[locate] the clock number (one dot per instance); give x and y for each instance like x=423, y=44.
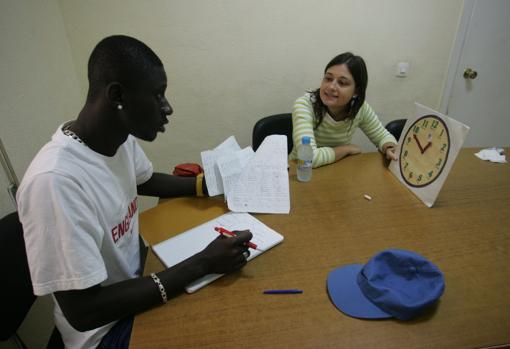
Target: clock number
x=416, y=129
x=439, y=163
x=405, y=166
x=434, y=124
x=408, y=140
x=419, y=178
x=443, y=147
x=425, y=123
x=410, y=174
x=405, y=153
x=430, y=173
x=442, y=131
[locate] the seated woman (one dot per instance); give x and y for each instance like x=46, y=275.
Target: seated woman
x=331, y=114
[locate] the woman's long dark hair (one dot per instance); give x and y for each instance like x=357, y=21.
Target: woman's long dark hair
x=358, y=70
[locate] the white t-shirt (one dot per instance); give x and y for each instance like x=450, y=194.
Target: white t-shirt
x=80, y=220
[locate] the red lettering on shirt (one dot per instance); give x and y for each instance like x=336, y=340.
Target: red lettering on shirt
x=122, y=228
x=115, y=234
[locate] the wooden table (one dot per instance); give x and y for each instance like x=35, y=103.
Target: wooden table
x=466, y=234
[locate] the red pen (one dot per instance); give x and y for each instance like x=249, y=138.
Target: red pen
x=229, y=233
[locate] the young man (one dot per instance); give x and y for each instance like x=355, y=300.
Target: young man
x=78, y=203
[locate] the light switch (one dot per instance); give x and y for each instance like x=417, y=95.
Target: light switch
x=402, y=69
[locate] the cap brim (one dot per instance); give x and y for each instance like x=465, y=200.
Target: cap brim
x=347, y=296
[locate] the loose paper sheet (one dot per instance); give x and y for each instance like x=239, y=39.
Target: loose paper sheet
x=252, y=182
x=211, y=169
x=263, y=186
x=492, y=155
x=231, y=167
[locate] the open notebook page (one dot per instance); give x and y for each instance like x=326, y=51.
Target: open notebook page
x=185, y=245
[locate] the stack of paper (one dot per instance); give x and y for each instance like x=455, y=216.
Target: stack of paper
x=251, y=182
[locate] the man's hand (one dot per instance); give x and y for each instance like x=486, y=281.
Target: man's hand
x=226, y=254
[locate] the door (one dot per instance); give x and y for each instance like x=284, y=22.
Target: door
x=479, y=93
x=9, y=182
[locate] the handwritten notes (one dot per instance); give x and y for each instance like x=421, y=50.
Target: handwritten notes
x=252, y=182
x=209, y=163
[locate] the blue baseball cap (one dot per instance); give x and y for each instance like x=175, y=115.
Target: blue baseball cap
x=394, y=283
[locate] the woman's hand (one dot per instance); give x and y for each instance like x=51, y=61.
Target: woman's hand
x=389, y=151
x=342, y=151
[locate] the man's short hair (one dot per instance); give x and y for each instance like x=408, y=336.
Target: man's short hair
x=119, y=58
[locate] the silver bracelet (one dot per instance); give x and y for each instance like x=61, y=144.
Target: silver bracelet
x=162, y=290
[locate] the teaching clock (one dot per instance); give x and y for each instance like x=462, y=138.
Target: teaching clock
x=427, y=149
x=424, y=151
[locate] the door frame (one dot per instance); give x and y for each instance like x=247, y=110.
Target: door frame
x=458, y=46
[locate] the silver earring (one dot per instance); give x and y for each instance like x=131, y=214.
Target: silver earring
x=119, y=107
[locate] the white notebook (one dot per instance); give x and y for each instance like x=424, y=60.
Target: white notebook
x=182, y=246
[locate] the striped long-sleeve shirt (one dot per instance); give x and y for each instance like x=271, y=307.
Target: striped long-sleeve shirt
x=331, y=133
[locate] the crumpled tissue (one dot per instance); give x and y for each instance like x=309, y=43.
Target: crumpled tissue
x=492, y=154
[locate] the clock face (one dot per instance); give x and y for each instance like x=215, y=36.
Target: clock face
x=424, y=151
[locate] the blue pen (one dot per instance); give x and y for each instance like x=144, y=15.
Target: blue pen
x=292, y=291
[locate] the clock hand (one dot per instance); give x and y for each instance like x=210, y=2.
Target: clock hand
x=418, y=142
x=426, y=147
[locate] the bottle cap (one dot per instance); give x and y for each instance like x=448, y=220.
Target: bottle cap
x=305, y=140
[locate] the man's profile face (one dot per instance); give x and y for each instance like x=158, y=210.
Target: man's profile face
x=146, y=107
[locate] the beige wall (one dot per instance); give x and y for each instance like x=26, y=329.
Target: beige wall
x=38, y=90
x=229, y=62
x=38, y=87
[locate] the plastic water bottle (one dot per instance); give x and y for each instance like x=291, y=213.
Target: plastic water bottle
x=305, y=157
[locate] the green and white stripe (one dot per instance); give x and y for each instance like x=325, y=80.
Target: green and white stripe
x=333, y=133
